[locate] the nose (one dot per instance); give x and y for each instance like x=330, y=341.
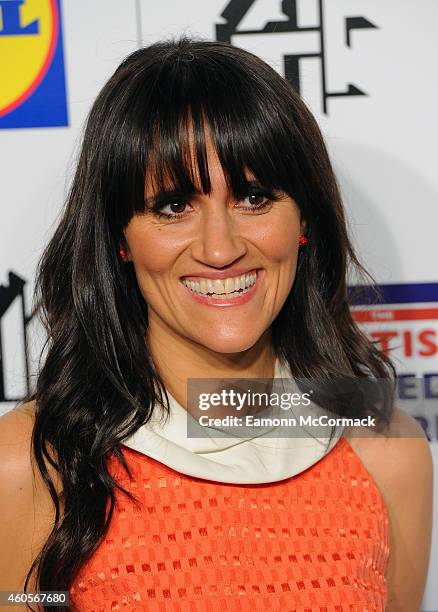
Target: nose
x=218, y=241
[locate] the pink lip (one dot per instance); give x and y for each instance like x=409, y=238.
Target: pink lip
x=236, y=301
x=219, y=274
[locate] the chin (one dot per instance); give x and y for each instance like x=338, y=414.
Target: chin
x=231, y=344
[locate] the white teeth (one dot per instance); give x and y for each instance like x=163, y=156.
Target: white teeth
x=228, y=287
x=227, y=296
x=218, y=286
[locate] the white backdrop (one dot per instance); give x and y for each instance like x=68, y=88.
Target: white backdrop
x=382, y=145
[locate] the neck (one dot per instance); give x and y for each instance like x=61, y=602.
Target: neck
x=178, y=358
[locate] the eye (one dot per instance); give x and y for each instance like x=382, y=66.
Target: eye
x=175, y=209
x=259, y=199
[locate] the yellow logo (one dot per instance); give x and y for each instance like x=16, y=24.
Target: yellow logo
x=28, y=37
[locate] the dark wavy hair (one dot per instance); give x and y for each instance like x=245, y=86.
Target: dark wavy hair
x=98, y=383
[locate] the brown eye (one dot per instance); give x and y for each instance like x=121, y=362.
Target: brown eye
x=171, y=210
x=177, y=207
x=256, y=199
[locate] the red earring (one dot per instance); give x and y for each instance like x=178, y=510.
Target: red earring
x=122, y=253
x=303, y=240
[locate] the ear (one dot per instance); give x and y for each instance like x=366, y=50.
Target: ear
x=128, y=253
x=303, y=226
x=124, y=244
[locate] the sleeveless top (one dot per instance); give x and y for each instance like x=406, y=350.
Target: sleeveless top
x=314, y=542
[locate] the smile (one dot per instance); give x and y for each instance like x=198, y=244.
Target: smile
x=222, y=289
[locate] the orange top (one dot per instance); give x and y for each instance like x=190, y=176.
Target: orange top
x=314, y=542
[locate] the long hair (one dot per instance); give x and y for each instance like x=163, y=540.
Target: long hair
x=98, y=383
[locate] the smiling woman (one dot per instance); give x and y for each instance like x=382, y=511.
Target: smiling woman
x=204, y=238
x=233, y=250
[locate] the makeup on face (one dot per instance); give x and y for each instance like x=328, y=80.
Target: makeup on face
x=216, y=268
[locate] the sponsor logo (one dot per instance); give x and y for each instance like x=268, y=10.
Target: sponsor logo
x=14, y=323
x=243, y=20
x=405, y=326
x=32, y=76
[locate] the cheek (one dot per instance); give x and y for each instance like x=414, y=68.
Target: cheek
x=152, y=251
x=279, y=237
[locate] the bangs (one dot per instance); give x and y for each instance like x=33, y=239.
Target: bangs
x=210, y=98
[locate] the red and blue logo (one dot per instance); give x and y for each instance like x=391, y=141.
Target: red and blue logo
x=32, y=76
x=405, y=326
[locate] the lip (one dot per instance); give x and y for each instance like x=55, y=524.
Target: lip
x=236, y=301
x=220, y=274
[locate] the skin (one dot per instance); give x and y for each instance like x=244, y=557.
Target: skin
x=225, y=342
x=401, y=465
x=189, y=339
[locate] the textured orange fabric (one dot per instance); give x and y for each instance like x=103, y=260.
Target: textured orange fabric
x=315, y=542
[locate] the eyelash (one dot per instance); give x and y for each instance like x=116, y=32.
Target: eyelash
x=270, y=197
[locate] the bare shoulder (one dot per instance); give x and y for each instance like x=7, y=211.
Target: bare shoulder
x=16, y=428
x=400, y=462
x=398, y=458
x=26, y=506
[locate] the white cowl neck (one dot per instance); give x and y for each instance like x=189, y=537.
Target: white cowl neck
x=260, y=459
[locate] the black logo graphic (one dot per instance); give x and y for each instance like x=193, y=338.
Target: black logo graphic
x=8, y=295
x=236, y=10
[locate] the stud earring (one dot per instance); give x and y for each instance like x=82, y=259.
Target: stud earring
x=303, y=240
x=122, y=253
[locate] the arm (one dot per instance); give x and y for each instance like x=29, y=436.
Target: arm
x=403, y=471
x=408, y=485
x=26, y=507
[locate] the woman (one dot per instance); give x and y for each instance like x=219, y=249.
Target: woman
x=200, y=165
